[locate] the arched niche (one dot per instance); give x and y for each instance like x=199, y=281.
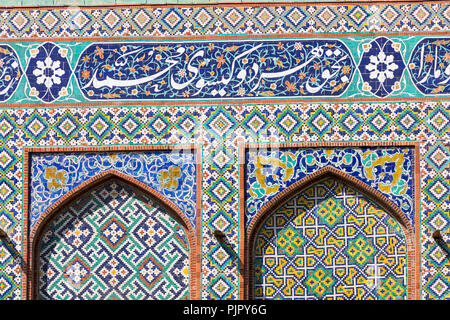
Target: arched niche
x=293, y=219
x=128, y=216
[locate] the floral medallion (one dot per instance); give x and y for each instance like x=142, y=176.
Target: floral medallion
x=381, y=67
x=48, y=72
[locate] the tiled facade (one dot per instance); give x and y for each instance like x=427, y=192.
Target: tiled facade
x=316, y=137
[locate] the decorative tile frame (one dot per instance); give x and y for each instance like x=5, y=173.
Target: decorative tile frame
x=430, y=115
x=247, y=235
x=31, y=237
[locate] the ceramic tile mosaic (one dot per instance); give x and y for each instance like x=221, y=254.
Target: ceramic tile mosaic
x=172, y=174
x=189, y=71
x=117, y=244
x=223, y=76
x=389, y=170
x=330, y=242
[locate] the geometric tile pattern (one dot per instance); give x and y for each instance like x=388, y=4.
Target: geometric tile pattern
x=430, y=130
x=114, y=243
x=220, y=129
x=202, y=20
x=330, y=242
x=48, y=72
x=381, y=67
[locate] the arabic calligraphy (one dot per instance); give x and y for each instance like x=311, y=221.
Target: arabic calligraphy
x=10, y=72
x=200, y=70
x=429, y=66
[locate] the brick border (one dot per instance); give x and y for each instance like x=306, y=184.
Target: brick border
x=31, y=237
x=247, y=237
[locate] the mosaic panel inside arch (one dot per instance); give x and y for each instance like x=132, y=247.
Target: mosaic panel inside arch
x=330, y=242
x=114, y=243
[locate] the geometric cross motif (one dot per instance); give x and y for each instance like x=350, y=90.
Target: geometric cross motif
x=7, y=160
x=407, y=121
x=330, y=212
x=130, y=125
x=99, y=126
x=131, y=249
x=36, y=127
x=350, y=122
x=220, y=123
x=412, y=112
x=288, y=122
x=439, y=120
x=360, y=250
x=290, y=241
x=7, y=127
x=329, y=241
x=256, y=123
x=159, y=125
x=381, y=67
x=437, y=190
x=67, y=126
x=379, y=122
x=320, y=122
x=113, y=232
x=150, y=271
x=320, y=281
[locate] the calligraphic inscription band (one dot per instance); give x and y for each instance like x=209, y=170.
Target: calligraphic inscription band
x=10, y=72
x=429, y=66
x=208, y=70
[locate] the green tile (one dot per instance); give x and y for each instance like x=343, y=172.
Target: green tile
x=37, y=3
x=12, y=3
x=130, y=1
x=98, y=2
x=69, y=2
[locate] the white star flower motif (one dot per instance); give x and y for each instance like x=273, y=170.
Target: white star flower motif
x=381, y=67
x=48, y=72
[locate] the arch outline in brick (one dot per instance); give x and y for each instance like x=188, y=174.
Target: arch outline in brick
x=31, y=237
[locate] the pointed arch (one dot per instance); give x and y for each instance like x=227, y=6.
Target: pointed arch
x=329, y=172
x=85, y=187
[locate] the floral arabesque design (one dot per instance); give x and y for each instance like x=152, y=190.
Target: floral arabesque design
x=10, y=72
